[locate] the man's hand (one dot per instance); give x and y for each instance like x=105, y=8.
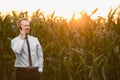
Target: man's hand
x=40, y=70
x=23, y=34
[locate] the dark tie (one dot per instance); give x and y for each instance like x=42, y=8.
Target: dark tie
x=29, y=53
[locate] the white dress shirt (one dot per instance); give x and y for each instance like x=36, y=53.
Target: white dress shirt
x=19, y=46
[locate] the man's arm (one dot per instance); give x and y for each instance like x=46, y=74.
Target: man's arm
x=40, y=56
x=17, y=45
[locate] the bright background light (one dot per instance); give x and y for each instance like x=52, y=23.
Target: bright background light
x=64, y=8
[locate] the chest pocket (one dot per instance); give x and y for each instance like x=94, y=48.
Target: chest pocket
x=33, y=47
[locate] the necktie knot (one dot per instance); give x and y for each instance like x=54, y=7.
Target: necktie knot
x=26, y=37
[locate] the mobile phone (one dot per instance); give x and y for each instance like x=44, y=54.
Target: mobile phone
x=20, y=28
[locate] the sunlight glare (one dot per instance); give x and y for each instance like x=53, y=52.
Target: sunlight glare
x=77, y=15
x=64, y=8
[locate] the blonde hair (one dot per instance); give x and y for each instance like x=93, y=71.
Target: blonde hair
x=21, y=19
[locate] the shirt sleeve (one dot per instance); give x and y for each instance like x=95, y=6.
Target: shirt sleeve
x=16, y=45
x=40, y=56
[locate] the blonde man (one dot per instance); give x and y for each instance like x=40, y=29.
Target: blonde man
x=28, y=52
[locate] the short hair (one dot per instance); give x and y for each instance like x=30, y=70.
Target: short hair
x=21, y=19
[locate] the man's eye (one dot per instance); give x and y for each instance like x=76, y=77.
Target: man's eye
x=27, y=25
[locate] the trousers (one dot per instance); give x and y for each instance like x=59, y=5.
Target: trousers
x=27, y=74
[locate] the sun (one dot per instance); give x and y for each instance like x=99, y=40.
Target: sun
x=78, y=15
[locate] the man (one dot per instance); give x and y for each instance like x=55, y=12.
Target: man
x=28, y=52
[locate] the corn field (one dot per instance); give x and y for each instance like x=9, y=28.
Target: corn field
x=78, y=49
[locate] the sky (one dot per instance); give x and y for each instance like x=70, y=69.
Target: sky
x=64, y=8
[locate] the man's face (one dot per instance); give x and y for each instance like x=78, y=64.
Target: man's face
x=25, y=26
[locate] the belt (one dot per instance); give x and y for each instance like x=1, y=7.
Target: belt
x=31, y=67
x=27, y=68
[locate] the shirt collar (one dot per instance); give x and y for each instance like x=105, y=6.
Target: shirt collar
x=27, y=36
